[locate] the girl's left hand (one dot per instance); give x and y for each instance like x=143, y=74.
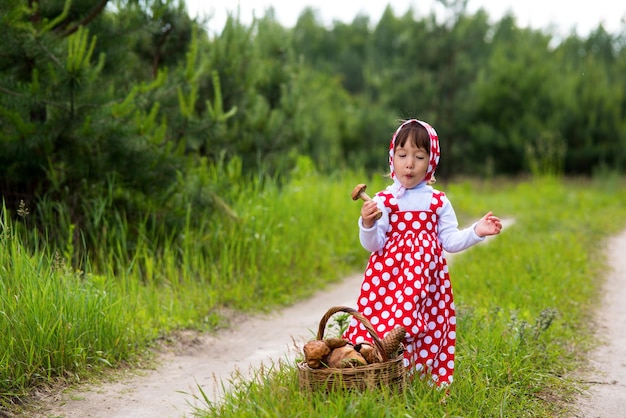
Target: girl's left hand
x=488, y=225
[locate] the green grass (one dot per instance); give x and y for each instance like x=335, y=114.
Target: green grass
x=523, y=299
x=53, y=322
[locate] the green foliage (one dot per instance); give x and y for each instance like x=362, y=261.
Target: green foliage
x=594, y=127
x=139, y=94
x=55, y=321
x=515, y=94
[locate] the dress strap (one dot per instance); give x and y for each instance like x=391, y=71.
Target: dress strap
x=388, y=200
x=437, y=201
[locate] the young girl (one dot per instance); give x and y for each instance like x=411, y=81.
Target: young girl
x=406, y=281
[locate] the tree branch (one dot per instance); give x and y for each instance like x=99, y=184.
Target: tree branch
x=91, y=16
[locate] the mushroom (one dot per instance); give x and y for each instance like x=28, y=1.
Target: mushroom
x=333, y=343
x=359, y=193
x=316, y=354
x=369, y=352
x=345, y=357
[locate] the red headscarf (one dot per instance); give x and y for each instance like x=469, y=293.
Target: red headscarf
x=433, y=155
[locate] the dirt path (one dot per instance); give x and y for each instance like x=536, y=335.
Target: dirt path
x=171, y=390
x=606, y=397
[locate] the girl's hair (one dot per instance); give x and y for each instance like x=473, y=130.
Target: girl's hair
x=416, y=133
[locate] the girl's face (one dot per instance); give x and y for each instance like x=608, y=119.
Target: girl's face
x=410, y=164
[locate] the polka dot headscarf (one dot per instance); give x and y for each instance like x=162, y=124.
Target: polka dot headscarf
x=433, y=157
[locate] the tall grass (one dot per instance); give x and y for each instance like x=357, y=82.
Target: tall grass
x=53, y=322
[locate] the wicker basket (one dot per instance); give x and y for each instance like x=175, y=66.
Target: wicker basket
x=390, y=372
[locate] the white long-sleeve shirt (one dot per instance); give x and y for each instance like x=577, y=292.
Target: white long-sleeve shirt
x=418, y=199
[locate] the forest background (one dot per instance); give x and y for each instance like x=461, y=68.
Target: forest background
x=124, y=126
x=135, y=98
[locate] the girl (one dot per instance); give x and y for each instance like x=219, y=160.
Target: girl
x=406, y=282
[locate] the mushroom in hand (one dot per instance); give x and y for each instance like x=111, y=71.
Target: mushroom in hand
x=359, y=193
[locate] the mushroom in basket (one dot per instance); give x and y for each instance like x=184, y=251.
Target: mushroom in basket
x=332, y=352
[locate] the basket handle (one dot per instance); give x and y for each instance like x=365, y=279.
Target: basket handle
x=363, y=320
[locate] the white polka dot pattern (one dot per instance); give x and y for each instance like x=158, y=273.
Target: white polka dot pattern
x=408, y=284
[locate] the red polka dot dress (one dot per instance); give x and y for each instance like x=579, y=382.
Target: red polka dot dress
x=407, y=283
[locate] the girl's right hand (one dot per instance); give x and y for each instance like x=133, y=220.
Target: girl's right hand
x=368, y=214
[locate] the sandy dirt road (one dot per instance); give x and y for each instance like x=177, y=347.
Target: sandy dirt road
x=170, y=390
x=606, y=397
